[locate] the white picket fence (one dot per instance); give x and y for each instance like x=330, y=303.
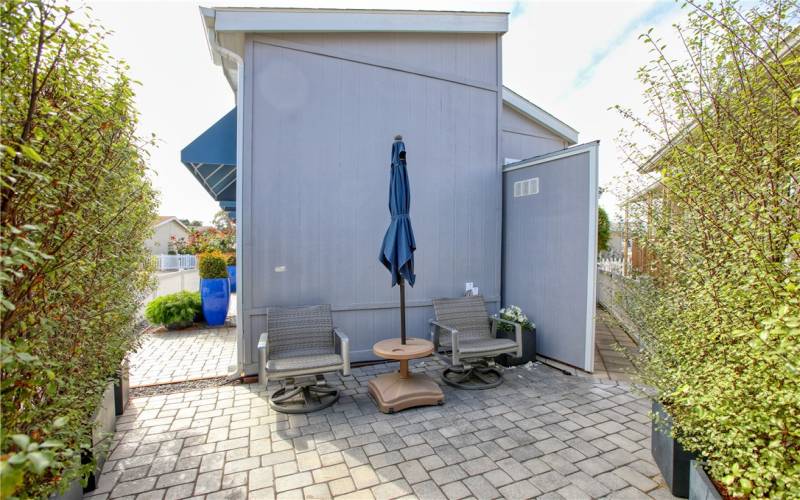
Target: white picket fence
x=166, y=262
x=614, y=266
x=172, y=282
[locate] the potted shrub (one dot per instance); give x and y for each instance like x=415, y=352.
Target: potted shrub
x=232, y=271
x=175, y=311
x=515, y=314
x=214, y=287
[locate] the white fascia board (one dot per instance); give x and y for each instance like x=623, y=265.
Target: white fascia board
x=554, y=155
x=540, y=116
x=269, y=20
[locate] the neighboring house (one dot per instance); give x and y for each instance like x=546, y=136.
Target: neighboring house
x=501, y=195
x=640, y=207
x=165, y=227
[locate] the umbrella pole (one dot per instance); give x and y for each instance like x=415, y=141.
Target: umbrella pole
x=402, y=284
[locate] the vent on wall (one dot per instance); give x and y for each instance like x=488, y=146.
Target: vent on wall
x=526, y=187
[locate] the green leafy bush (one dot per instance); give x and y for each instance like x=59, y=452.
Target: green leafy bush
x=231, y=260
x=720, y=317
x=212, y=265
x=175, y=308
x=603, y=229
x=77, y=208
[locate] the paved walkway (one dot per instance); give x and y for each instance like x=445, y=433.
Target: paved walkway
x=540, y=434
x=183, y=355
x=609, y=362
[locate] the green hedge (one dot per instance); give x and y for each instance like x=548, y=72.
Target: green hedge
x=77, y=207
x=720, y=319
x=175, y=308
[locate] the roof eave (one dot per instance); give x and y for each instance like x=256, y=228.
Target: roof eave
x=278, y=20
x=540, y=116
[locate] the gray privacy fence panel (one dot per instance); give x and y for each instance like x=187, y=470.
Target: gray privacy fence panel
x=549, y=252
x=318, y=133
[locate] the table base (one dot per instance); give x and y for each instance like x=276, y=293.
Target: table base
x=392, y=392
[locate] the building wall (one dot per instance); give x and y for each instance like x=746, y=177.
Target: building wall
x=159, y=243
x=549, y=253
x=320, y=115
x=522, y=138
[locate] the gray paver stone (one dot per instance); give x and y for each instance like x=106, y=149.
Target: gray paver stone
x=448, y=474
x=455, y=490
x=635, y=478
x=364, y=477
x=392, y=489
x=478, y=466
x=317, y=492
x=180, y=491
x=498, y=478
x=238, y=493
x=481, y=488
x=299, y=480
x=208, y=482
x=260, y=478
x=549, y=481
x=133, y=487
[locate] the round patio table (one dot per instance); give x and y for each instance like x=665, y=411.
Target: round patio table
x=400, y=390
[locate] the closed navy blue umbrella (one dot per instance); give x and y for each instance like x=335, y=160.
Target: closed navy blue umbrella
x=397, y=250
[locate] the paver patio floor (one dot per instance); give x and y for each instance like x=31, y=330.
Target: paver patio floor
x=540, y=434
x=178, y=356
x=609, y=363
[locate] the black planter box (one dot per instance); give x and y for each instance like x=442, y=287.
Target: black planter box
x=122, y=388
x=700, y=485
x=74, y=492
x=105, y=420
x=672, y=460
x=528, y=348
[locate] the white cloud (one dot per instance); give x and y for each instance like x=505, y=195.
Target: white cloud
x=575, y=59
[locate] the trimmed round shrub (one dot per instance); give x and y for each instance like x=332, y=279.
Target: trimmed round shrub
x=212, y=265
x=172, y=309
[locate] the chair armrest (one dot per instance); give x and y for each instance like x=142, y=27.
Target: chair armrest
x=343, y=343
x=263, y=355
x=442, y=326
x=517, y=331
x=435, y=326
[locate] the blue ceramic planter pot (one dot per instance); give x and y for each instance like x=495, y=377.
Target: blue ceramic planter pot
x=215, y=295
x=232, y=277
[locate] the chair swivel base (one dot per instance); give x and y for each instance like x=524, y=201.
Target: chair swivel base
x=473, y=378
x=306, y=397
x=393, y=393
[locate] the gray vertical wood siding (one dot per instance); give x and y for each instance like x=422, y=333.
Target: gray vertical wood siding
x=549, y=253
x=523, y=138
x=320, y=114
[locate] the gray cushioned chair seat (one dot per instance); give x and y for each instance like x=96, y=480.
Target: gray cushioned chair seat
x=477, y=346
x=305, y=362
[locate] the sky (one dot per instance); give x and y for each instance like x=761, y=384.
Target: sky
x=574, y=59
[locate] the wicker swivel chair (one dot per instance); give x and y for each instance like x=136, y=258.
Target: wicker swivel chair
x=464, y=328
x=299, y=346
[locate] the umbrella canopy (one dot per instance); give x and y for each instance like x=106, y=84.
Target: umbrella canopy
x=397, y=251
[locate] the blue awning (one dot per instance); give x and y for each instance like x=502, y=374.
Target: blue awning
x=211, y=158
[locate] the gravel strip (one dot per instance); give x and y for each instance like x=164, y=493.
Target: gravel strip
x=192, y=385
